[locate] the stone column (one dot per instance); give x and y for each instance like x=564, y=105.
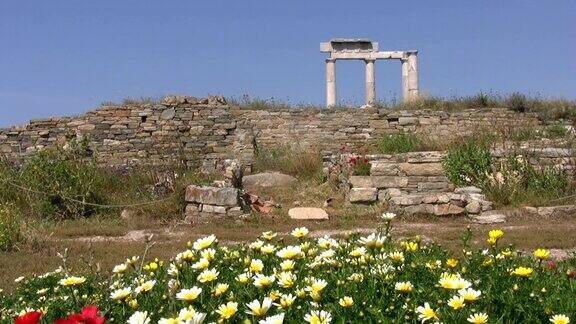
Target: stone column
x=405, y=89
x=370, y=83
x=330, y=82
x=412, y=75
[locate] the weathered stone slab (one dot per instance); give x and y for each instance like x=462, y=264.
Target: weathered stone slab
x=422, y=169
x=468, y=190
x=363, y=194
x=268, y=179
x=406, y=200
x=447, y=209
x=490, y=217
x=379, y=168
x=378, y=182
x=308, y=213
x=386, y=194
x=212, y=196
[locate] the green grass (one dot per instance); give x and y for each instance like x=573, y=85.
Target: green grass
x=304, y=163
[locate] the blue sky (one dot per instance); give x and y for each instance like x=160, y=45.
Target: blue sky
x=66, y=57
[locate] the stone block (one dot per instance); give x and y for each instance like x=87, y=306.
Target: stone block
x=406, y=200
x=378, y=182
x=386, y=194
x=191, y=210
x=474, y=207
x=447, y=209
x=212, y=196
x=404, y=121
x=422, y=169
x=380, y=168
x=363, y=194
x=308, y=213
x=213, y=209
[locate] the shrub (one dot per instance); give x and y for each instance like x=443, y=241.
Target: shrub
x=56, y=183
x=293, y=160
x=468, y=163
x=517, y=102
x=399, y=143
x=360, y=166
x=518, y=182
x=9, y=227
x=556, y=131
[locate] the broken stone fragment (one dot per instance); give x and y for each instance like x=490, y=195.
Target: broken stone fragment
x=212, y=195
x=363, y=194
x=308, y=213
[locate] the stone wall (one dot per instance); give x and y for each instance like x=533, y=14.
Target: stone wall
x=352, y=128
x=183, y=130
x=191, y=131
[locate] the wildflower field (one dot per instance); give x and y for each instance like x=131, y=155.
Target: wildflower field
x=296, y=279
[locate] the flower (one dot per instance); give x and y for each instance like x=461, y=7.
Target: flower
x=221, y=289
x=317, y=285
x=203, y=263
x=404, y=286
x=560, y=319
x=453, y=281
x=189, y=294
x=542, y=254
x=478, y=318
x=262, y=281
x=289, y=252
x=120, y=268
x=495, y=234
x=388, y=216
x=269, y=235
x=204, y=242
x=121, y=294
x=286, y=279
x=426, y=313
x=456, y=302
x=227, y=310
x=189, y=316
x=346, y=301
x=146, y=286
x=287, y=265
x=32, y=317
x=208, y=275
x=523, y=271
x=452, y=263
x=300, y=232
x=139, y=318
x=256, y=266
x=286, y=301
x=469, y=294
x=257, y=308
x=276, y=319
x=88, y=315
x=410, y=246
x=72, y=281
x=358, y=252
x=397, y=257
x=318, y=317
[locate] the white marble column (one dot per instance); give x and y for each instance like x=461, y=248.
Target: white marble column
x=370, y=83
x=405, y=88
x=412, y=76
x=330, y=82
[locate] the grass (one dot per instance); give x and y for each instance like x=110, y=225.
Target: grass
x=305, y=163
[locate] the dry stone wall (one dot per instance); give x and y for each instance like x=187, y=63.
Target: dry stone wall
x=204, y=132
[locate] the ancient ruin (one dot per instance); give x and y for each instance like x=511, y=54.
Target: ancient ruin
x=367, y=50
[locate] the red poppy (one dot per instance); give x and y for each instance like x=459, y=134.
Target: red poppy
x=551, y=265
x=571, y=274
x=88, y=315
x=28, y=318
